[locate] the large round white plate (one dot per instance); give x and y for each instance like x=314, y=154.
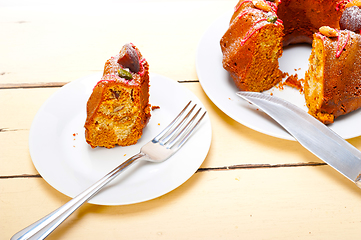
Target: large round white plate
x=63, y=158
x=220, y=88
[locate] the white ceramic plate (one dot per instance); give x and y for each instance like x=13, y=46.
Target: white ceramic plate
x=220, y=88
x=64, y=159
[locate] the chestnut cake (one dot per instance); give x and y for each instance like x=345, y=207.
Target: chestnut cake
x=258, y=29
x=118, y=108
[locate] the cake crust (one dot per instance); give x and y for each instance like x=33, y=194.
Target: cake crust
x=303, y=18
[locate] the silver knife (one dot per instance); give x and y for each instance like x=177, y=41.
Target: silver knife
x=311, y=133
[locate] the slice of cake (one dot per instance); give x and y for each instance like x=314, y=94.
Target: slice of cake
x=119, y=109
x=333, y=80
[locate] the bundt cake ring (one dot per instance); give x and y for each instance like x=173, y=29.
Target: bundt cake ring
x=259, y=29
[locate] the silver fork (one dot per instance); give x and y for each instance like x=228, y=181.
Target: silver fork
x=159, y=149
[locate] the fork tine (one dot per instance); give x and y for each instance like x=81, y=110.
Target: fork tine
x=174, y=130
x=183, y=135
x=186, y=137
x=165, y=130
x=177, y=130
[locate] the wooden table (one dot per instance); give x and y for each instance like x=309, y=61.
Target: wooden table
x=250, y=186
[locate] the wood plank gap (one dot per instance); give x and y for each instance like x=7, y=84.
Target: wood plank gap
x=53, y=84
x=10, y=130
x=232, y=167
x=31, y=85
x=188, y=81
x=21, y=176
x=257, y=166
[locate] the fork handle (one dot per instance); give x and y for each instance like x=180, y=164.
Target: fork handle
x=44, y=226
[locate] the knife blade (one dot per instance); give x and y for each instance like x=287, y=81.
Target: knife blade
x=311, y=134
